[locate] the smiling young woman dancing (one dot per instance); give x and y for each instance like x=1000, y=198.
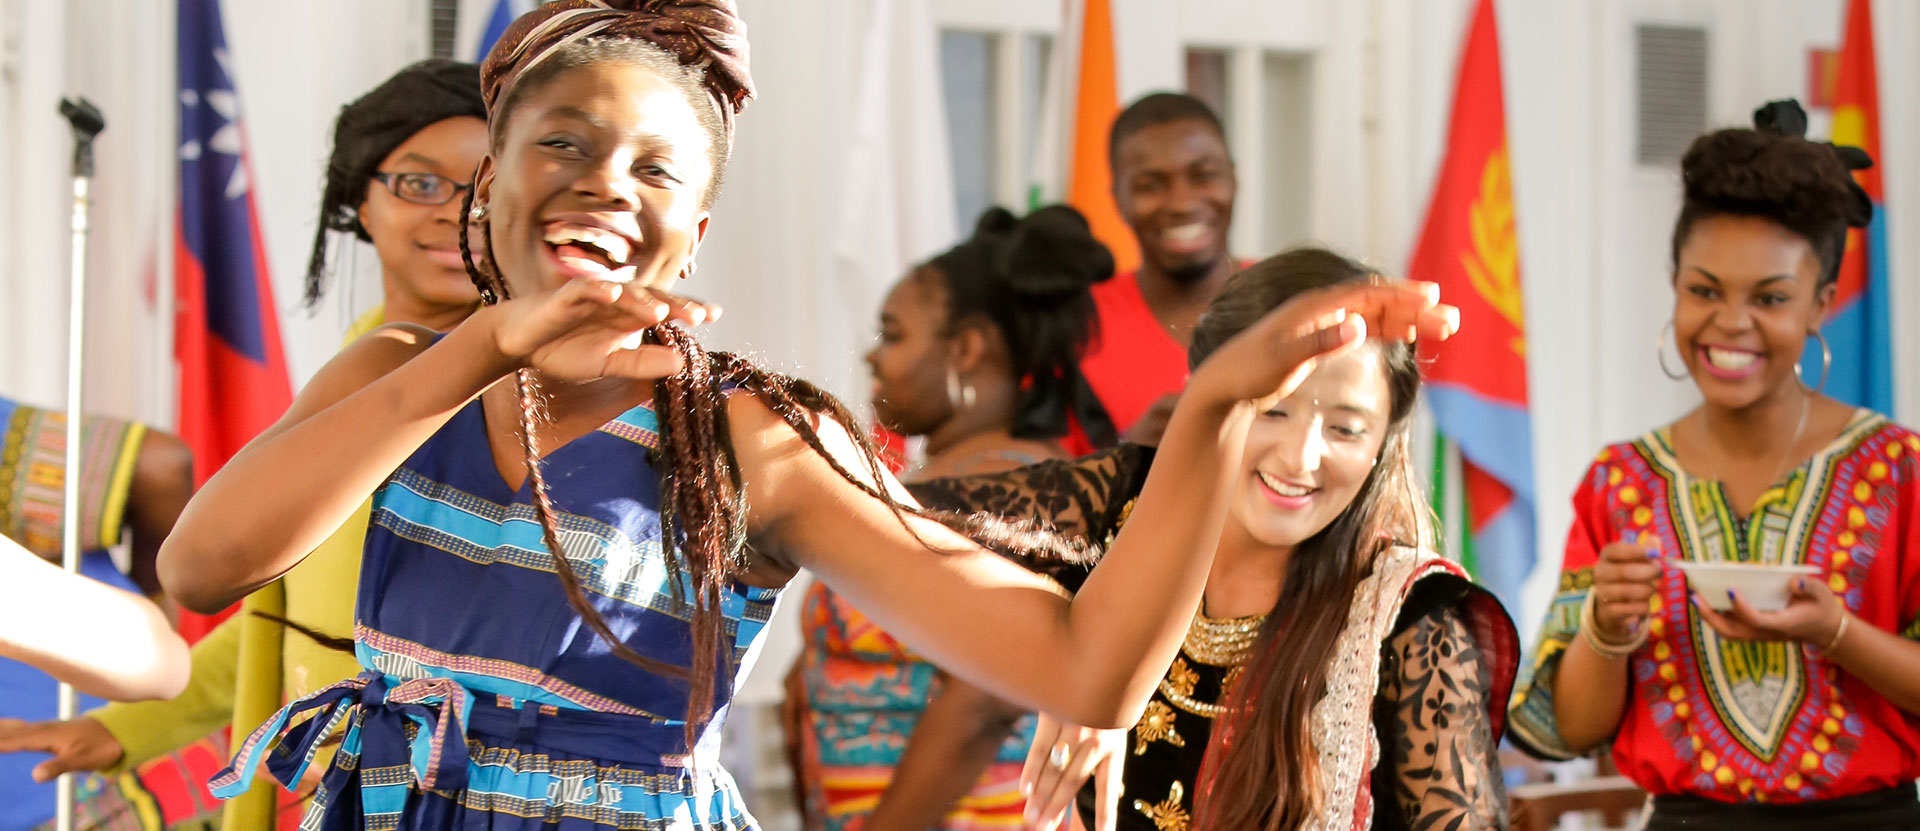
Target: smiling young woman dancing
x=1338, y=674
x=581, y=520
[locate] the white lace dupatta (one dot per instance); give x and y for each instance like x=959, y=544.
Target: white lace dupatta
x=1343, y=731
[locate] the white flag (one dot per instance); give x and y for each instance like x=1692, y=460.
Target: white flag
x=898, y=208
x=1048, y=167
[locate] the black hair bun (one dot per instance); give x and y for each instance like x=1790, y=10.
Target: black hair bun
x=1053, y=252
x=995, y=221
x=1798, y=183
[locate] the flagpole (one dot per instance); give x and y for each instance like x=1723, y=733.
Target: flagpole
x=86, y=121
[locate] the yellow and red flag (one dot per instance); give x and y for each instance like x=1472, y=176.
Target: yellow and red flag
x=1858, y=329
x=1478, y=381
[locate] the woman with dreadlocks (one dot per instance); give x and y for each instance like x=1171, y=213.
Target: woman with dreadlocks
x=581, y=520
x=402, y=154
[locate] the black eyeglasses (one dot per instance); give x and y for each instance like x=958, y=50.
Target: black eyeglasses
x=421, y=188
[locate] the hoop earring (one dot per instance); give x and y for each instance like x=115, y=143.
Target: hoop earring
x=959, y=396
x=1826, y=364
x=1660, y=351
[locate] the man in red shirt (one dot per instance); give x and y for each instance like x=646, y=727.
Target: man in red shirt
x=1174, y=183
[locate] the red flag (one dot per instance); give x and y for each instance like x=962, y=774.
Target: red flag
x=1478, y=381
x=233, y=373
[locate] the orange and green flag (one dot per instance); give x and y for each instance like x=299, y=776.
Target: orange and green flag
x=1478, y=381
x=1081, y=101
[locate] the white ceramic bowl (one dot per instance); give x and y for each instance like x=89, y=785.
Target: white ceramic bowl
x=1766, y=588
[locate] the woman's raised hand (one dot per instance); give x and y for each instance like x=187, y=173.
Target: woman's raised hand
x=1268, y=360
x=590, y=329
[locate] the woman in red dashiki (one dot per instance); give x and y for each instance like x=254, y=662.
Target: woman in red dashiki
x=1747, y=719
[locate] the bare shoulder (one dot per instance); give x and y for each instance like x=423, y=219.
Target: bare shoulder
x=366, y=360
x=794, y=479
x=377, y=353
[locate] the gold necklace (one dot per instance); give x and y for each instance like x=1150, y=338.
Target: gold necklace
x=1217, y=643
x=1222, y=643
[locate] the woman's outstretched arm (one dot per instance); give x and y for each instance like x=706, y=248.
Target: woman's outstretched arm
x=105, y=642
x=371, y=407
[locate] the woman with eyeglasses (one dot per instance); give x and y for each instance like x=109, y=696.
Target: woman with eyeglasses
x=403, y=155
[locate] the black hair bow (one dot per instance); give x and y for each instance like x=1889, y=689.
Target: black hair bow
x=1786, y=118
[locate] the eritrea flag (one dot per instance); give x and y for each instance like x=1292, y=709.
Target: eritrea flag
x=1858, y=328
x=1478, y=381
x=233, y=374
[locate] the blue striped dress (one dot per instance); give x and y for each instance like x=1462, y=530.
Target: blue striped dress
x=485, y=701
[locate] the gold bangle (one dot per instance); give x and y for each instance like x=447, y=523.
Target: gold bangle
x=1589, y=630
x=1839, y=632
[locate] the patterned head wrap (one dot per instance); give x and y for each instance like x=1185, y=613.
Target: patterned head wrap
x=707, y=34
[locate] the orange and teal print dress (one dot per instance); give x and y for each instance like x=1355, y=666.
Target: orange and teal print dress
x=865, y=693
x=1746, y=722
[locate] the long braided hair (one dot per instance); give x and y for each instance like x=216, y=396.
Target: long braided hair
x=702, y=507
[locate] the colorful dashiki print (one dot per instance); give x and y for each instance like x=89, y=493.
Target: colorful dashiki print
x=1736, y=721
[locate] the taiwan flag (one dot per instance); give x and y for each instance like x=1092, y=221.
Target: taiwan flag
x=1478, y=380
x=233, y=374
x=1858, y=327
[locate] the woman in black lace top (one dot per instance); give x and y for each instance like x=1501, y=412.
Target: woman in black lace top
x=1338, y=674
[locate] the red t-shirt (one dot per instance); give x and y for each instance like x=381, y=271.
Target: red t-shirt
x=1132, y=362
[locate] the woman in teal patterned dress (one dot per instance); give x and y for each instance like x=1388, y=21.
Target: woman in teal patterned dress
x=551, y=639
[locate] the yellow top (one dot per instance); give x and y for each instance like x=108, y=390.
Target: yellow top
x=247, y=667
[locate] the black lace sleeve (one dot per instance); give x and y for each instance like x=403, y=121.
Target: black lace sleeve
x=1440, y=767
x=1083, y=501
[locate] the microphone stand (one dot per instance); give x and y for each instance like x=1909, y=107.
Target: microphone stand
x=86, y=122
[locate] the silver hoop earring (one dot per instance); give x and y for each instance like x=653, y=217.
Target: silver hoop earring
x=478, y=214
x=1660, y=350
x=1826, y=364
x=959, y=396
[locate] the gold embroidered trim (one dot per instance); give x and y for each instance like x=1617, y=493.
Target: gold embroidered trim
x=1170, y=815
x=1156, y=725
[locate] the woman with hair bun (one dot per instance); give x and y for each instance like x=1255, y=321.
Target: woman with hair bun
x=978, y=352
x=1744, y=718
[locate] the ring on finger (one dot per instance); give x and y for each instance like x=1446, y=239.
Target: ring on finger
x=1058, y=757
